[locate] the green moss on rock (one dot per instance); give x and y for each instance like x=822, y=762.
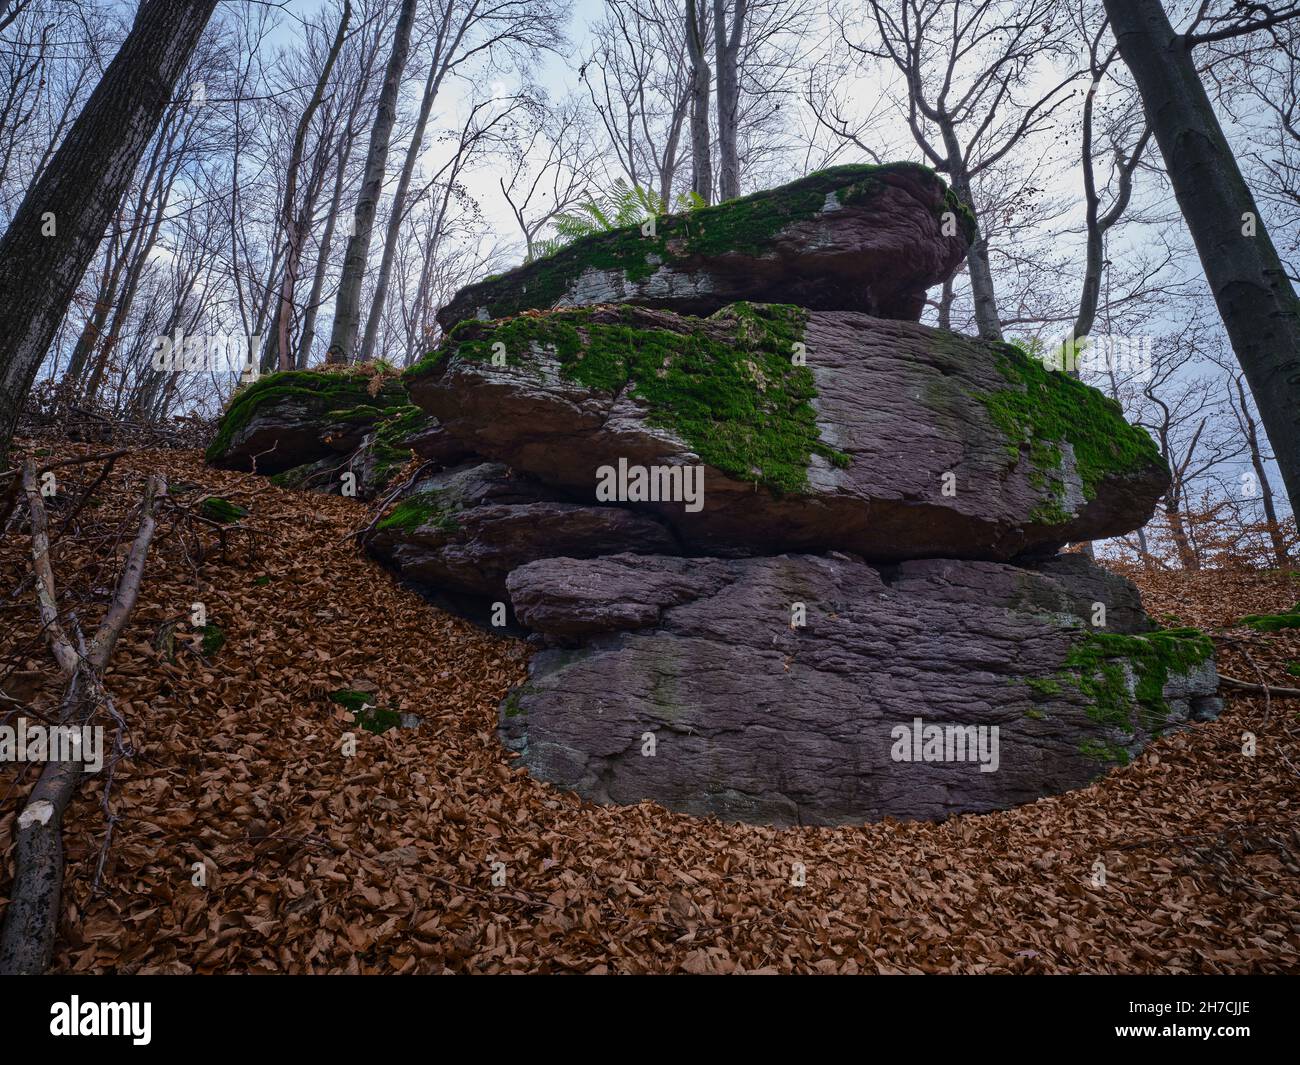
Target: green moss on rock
x=731, y=393
x=1287, y=619
x=745, y=225
x=1042, y=409
x=1103, y=663
x=1101, y=751
x=422, y=508
x=342, y=392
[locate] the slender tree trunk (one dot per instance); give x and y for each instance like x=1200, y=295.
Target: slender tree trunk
x=295, y=223
x=983, y=294
x=345, y=148
x=437, y=68
x=726, y=54
x=1261, y=474
x=701, y=160
x=1178, y=530
x=1260, y=309
x=41, y=266
x=347, y=304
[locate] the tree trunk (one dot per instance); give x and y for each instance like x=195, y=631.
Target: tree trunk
x=701, y=161
x=1178, y=530
x=1261, y=474
x=983, y=294
x=347, y=304
x=82, y=187
x=295, y=227
x=726, y=53
x=437, y=69
x=1260, y=309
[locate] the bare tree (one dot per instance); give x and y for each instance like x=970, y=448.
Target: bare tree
x=963, y=62
x=701, y=82
x=728, y=34
x=347, y=303
x=55, y=232
x=295, y=222
x=1258, y=305
x=463, y=31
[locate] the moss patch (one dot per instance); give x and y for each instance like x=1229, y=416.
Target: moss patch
x=1103, y=662
x=1101, y=751
x=213, y=639
x=1042, y=409
x=344, y=392
x=422, y=508
x=1043, y=687
x=745, y=225
x=732, y=394
x=1287, y=619
x=376, y=719
x=215, y=508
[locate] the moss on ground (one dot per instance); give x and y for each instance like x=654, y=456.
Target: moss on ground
x=218, y=509
x=1102, y=663
x=1043, y=409
x=734, y=396
x=745, y=225
x=376, y=719
x=212, y=640
x=341, y=391
x=1287, y=619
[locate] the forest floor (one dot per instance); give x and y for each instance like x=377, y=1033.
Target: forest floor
x=384, y=861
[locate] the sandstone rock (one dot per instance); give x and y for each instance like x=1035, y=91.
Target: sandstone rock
x=894, y=441
x=463, y=530
x=299, y=417
x=758, y=720
x=860, y=237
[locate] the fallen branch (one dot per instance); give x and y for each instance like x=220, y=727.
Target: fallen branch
x=1247, y=686
x=32, y=917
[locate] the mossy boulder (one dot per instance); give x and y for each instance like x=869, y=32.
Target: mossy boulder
x=788, y=690
x=816, y=430
x=298, y=417
x=857, y=237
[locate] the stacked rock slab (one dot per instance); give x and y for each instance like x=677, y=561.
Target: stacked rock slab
x=789, y=562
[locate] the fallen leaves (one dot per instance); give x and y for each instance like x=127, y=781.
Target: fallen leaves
x=392, y=860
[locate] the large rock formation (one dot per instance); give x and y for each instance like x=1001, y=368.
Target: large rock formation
x=788, y=689
x=859, y=238
x=787, y=563
x=894, y=441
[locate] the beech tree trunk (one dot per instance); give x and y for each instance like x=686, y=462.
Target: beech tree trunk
x=59, y=225
x=347, y=304
x=726, y=56
x=701, y=160
x=1259, y=307
x=1261, y=474
x=437, y=70
x=295, y=227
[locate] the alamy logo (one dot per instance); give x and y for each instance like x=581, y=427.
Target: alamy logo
x=651, y=484
x=102, y=1018
x=920, y=742
x=53, y=743
x=201, y=353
